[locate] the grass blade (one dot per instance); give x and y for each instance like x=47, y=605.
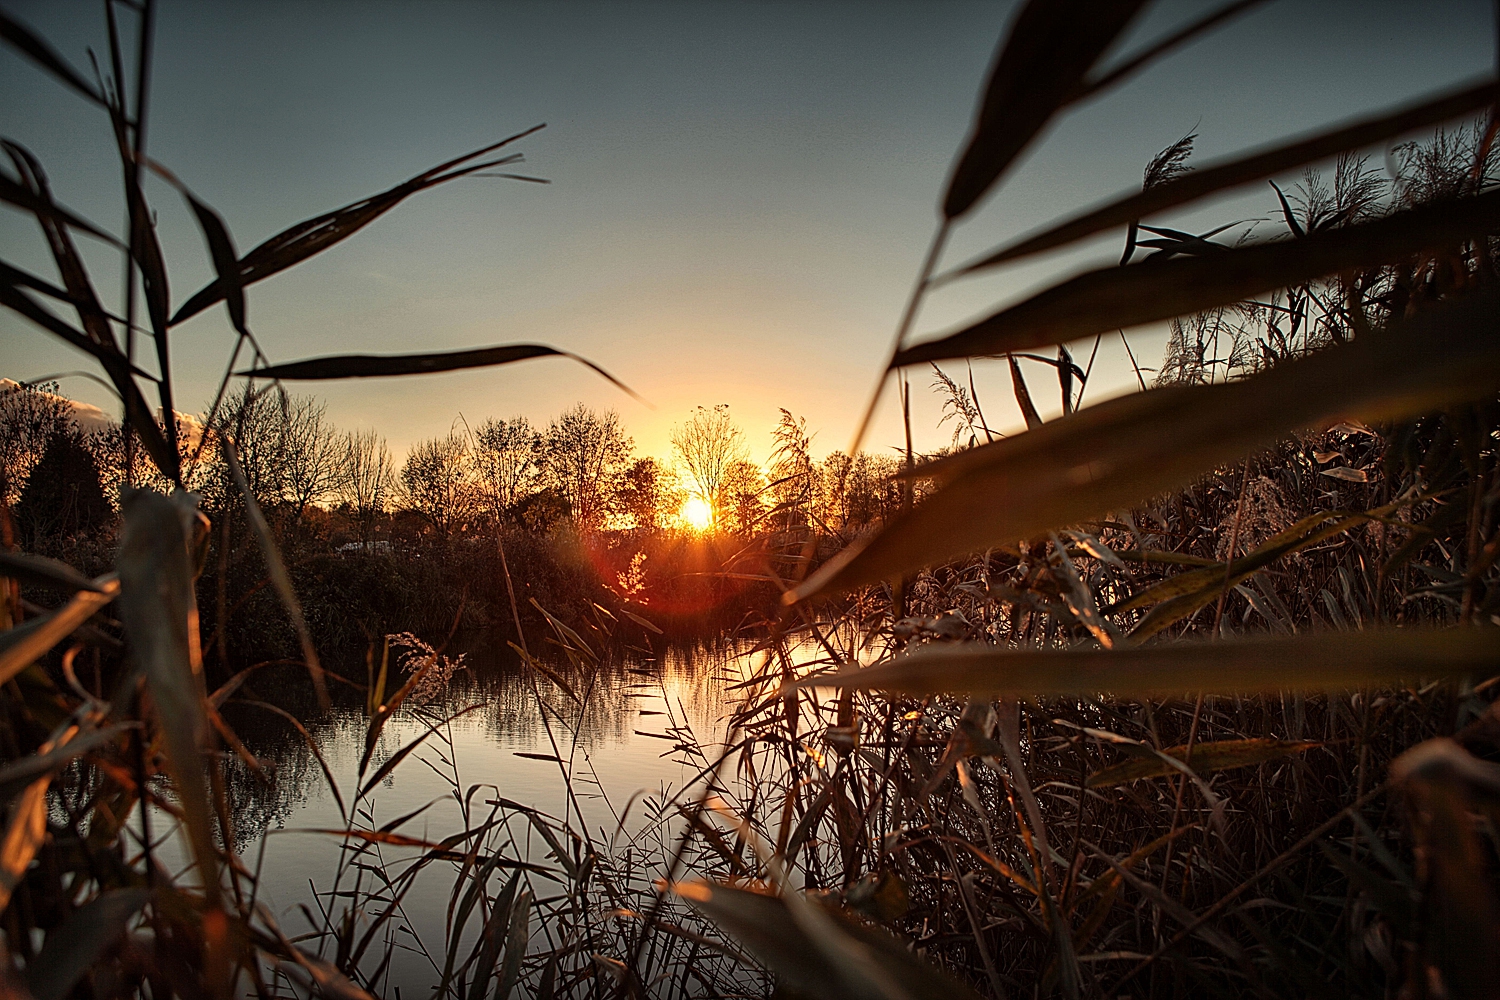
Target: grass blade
x=1317, y=661
x=1120, y=297
x=1049, y=50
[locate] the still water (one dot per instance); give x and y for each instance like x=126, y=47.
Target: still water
x=622, y=741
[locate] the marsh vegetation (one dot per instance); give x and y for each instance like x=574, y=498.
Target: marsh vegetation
x=1186, y=692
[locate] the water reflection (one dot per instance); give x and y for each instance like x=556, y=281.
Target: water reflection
x=638, y=722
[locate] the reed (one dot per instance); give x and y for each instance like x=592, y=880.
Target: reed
x=1168, y=696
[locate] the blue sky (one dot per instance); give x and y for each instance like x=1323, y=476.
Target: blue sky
x=741, y=193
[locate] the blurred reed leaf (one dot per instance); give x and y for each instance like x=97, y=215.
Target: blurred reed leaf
x=1190, y=186
x=81, y=940
x=23, y=836
x=1445, y=785
x=380, y=365
x=308, y=238
x=29, y=44
x=1127, y=449
x=767, y=927
x=1220, y=755
x=17, y=195
x=1120, y=297
x=1041, y=67
x=43, y=571
x=160, y=613
x=23, y=644
x=1316, y=661
x=34, y=766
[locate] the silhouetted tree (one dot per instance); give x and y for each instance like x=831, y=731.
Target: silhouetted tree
x=63, y=496
x=584, y=455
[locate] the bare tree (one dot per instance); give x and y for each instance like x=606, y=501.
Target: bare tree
x=506, y=462
x=309, y=452
x=707, y=445
x=584, y=454
x=366, y=478
x=438, y=484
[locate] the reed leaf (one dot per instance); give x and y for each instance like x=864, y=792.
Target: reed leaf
x=1314, y=661
x=1112, y=298
x=1203, y=181
x=18, y=196
x=97, y=337
x=766, y=926
x=1041, y=67
x=1179, y=596
x=81, y=940
x=308, y=238
x=23, y=644
x=381, y=365
x=160, y=613
x=220, y=249
x=43, y=571
x=29, y=44
x=1220, y=755
x=400, y=755
x=1122, y=451
x=276, y=569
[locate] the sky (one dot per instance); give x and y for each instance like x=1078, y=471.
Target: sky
x=740, y=193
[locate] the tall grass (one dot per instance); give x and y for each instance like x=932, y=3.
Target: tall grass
x=1168, y=696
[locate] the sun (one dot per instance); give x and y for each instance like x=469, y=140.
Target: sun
x=697, y=513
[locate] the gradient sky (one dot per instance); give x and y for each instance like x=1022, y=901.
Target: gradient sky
x=741, y=193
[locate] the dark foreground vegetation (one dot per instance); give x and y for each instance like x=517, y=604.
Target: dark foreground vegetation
x=1171, y=696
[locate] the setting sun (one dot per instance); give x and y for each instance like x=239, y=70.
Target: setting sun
x=697, y=513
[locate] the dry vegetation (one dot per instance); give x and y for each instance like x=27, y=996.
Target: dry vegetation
x=1167, y=697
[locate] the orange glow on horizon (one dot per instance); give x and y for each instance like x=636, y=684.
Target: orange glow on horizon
x=697, y=514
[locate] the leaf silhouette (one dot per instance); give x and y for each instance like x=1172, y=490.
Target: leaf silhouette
x=308, y=238
x=1049, y=50
x=1111, y=298
x=1316, y=661
x=1203, y=181
x=1115, y=454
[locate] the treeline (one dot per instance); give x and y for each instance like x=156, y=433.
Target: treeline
x=374, y=545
